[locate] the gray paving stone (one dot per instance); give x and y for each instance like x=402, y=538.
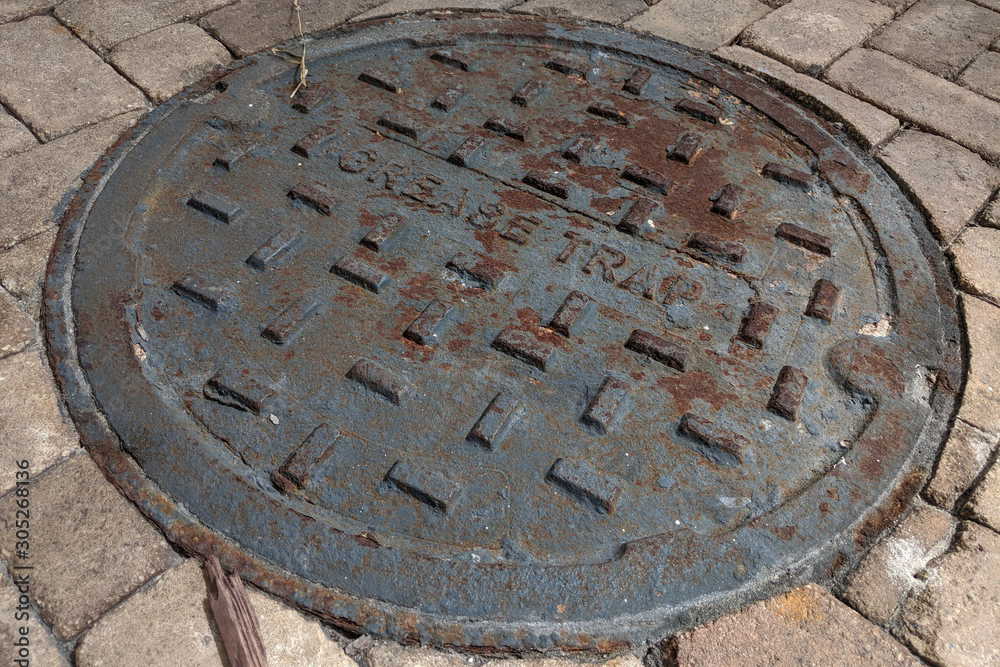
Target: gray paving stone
x=701, y=24
x=252, y=25
x=991, y=214
x=105, y=23
x=54, y=83
x=164, y=61
x=984, y=503
x=983, y=75
x=813, y=33
x=183, y=633
x=981, y=399
x=42, y=648
x=13, y=10
x=90, y=547
x=898, y=5
x=35, y=182
x=869, y=125
x=806, y=626
x=22, y=268
x=940, y=36
x=955, y=620
x=928, y=101
x=989, y=4
x=887, y=574
x=14, y=136
x=977, y=262
x=17, y=329
x=31, y=426
x=394, y=655
x=404, y=6
x=949, y=182
x=593, y=10
x=621, y=661
x=965, y=454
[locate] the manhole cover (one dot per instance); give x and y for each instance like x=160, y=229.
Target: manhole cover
x=506, y=334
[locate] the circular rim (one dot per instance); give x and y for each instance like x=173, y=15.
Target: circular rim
x=877, y=484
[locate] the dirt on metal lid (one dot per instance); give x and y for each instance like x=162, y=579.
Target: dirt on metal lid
x=503, y=334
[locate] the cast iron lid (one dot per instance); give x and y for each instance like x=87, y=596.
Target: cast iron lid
x=504, y=334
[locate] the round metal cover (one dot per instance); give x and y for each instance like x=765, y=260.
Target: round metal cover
x=504, y=334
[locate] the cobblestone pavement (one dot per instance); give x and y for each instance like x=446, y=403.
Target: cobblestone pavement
x=916, y=82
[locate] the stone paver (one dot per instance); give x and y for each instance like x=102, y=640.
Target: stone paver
x=393, y=655
x=404, y=6
x=983, y=75
x=955, y=620
x=12, y=10
x=949, y=182
x=621, y=661
x=54, y=83
x=806, y=626
x=16, y=613
x=164, y=61
x=184, y=633
x=981, y=400
x=14, y=136
x=813, y=33
x=984, y=503
x=35, y=182
x=17, y=330
x=898, y=5
x=90, y=547
x=991, y=214
x=928, y=101
x=594, y=10
x=702, y=24
x=940, y=36
x=31, y=425
x=252, y=25
x=21, y=269
x=965, y=454
x=888, y=573
x=977, y=262
x=870, y=126
x=106, y=23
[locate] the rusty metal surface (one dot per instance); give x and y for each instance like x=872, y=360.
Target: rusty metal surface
x=509, y=334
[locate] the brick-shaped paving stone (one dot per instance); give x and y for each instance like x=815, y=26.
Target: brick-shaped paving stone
x=983, y=75
x=169, y=624
x=963, y=458
x=36, y=181
x=54, y=83
x=17, y=329
x=90, y=547
x=106, y=23
x=621, y=661
x=955, y=620
x=813, y=33
x=41, y=645
x=977, y=261
x=702, y=24
x=164, y=61
x=981, y=398
x=940, y=36
x=14, y=136
x=393, y=655
x=888, y=572
x=984, y=503
x=404, y=6
x=593, y=10
x=949, y=182
x=13, y=10
x=252, y=25
x=31, y=424
x=869, y=125
x=928, y=101
x=22, y=268
x=806, y=626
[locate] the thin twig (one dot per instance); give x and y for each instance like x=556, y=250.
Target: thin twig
x=298, y=59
